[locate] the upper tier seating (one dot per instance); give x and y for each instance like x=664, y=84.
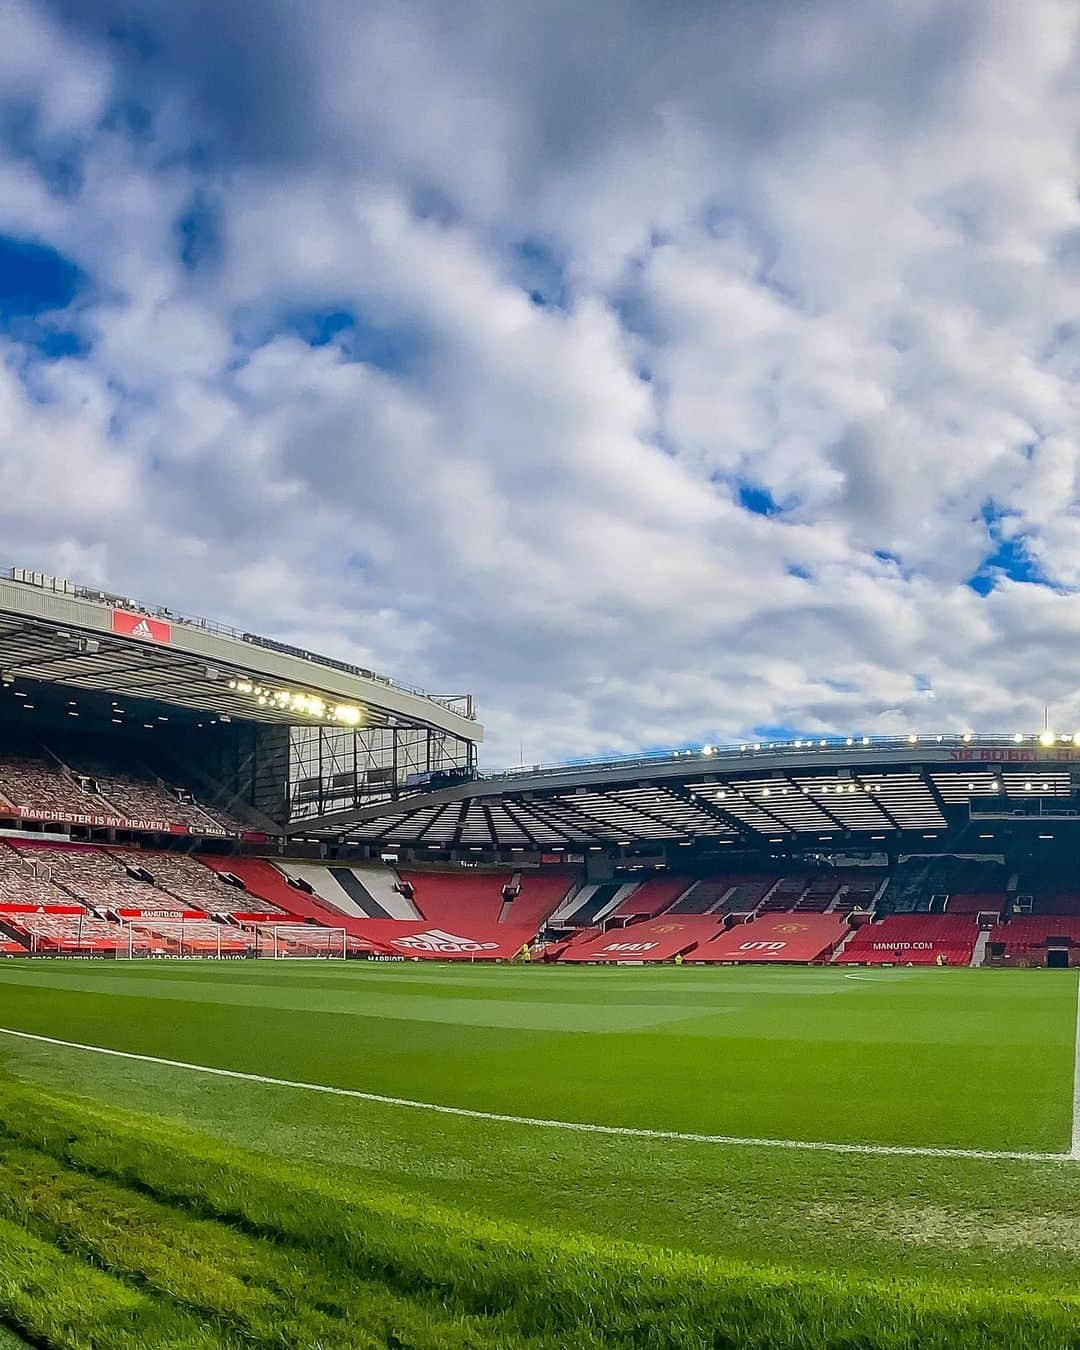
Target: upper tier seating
x=785, y=896
x=917, y=939
x=819, y=895
x=1045, y=892
x=37, y=784
x=91, y=875
x=653, y=897
x=916, y=881
x=456, y=898
x=746, y=894
x=982, y=902
x=198, y=887
x=139, y=799
x=538, y=897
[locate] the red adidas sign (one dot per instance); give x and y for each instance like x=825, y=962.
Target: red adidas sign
x=139, y=626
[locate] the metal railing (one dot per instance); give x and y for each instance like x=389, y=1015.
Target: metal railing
x=459, y=703
x=706, y=755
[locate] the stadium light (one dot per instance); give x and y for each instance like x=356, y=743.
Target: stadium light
x=912, y=739
x=1046, y=737
x=1018, y=738
x=708, y=750
x=1076, y=738
x=966, y=737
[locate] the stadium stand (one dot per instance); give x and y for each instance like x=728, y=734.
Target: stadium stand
x=91, y=875
x=917, y=939
x=982, y=902
x=745, y=894
x=651, y=940
x=360, y=891
x=457, y=899
x=35, y=785
x=923, y=883
x=40, y=784
x=793, y=937
x=1028, y=937
x=263, y=880
x=192, y=937
x=536, y=897
x=21, y=885
x=140, y=795
x=591, y=905
x=198, y=887
x=67, y=930
x=1047, y=891
x=653, y=897
x=469, y=941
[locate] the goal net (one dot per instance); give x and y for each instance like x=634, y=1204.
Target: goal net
x=292, y=940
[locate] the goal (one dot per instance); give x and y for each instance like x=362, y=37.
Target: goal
x=290, y=941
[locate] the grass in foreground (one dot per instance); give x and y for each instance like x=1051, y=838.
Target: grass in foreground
x=119, y=1231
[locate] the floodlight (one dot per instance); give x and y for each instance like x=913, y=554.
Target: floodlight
x=1018, y=738
x=912, y=739
x=1046, y=738
x=966, y=737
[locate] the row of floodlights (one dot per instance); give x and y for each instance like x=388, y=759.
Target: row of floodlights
x=1046, y=738
x=289, y=700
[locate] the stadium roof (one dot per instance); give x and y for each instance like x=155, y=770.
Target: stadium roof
x=807, y=792
x=55, y=631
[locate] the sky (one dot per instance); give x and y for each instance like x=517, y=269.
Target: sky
x=661, y=373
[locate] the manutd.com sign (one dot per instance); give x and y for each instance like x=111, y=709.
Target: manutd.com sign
x=140, y=626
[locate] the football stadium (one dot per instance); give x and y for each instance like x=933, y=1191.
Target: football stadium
x=312, y=1034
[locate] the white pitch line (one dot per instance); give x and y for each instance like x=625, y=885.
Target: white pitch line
x=581, y=1127
x=1074, y=1151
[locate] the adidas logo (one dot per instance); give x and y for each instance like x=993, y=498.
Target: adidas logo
x=142, y=629
x=435, y=940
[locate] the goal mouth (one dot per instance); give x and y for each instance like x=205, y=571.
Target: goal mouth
x=299, y=942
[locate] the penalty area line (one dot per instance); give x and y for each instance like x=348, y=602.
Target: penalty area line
x=579, y=1127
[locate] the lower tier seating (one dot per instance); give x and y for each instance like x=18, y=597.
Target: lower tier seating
x=1025, y=937
x=916, y=939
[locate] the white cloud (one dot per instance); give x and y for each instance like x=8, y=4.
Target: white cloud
x=829, y=253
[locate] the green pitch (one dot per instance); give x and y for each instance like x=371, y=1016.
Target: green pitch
x=954, y=1060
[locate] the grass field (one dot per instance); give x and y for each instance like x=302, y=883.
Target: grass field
x=176, y=1207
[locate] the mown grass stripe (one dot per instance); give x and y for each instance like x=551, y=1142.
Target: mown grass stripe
x=550, y=1289
x=581, y=1127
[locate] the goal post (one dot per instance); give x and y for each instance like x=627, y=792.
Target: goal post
x=300, y=941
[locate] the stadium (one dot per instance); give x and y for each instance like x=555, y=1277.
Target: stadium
x=521, y=1072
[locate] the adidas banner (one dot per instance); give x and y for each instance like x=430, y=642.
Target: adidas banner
x=139, y=626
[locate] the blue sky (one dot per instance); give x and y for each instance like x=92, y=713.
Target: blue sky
x=658, y=381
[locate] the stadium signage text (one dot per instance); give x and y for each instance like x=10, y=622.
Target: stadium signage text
x=1014, y=756
x=110, y=822
x=630, y=948
x=762, y=946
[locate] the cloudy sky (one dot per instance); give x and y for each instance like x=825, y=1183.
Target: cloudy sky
x=662, y=373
